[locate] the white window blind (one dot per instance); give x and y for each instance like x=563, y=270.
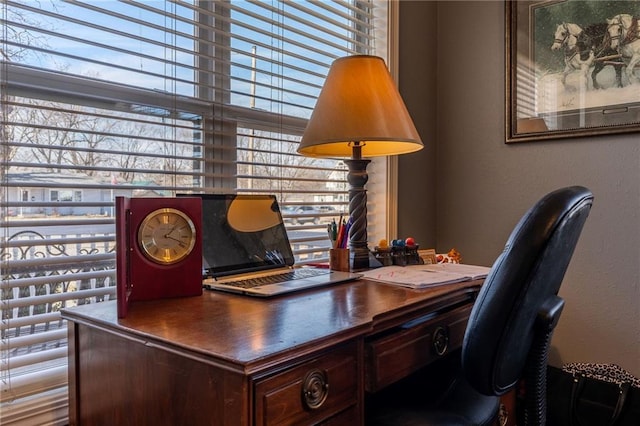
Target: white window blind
x=137, y=98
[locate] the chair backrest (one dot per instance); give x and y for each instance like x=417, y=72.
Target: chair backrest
x=527, y=274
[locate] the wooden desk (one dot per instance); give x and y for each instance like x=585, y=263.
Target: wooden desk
x=222, y=359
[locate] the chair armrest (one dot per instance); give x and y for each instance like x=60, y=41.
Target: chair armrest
x=549, y=313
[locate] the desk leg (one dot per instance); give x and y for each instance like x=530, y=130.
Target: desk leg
x=72, y=373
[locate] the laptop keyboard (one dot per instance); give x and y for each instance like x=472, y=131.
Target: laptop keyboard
x=294, y=274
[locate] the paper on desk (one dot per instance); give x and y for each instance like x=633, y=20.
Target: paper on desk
x=414, y=276
x=474, y=272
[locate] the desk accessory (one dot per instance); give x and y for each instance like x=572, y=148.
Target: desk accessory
x=382, y=253
x=359, y=113
x=428, y=256
x=158, y=249
x=401, y=252
x=339, y=259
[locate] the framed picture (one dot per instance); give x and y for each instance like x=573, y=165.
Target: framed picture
x=428, y=256
x=573, y=68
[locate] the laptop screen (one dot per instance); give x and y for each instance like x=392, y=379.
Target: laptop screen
x=242, y=233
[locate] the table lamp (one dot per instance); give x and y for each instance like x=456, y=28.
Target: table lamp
x=359, y=113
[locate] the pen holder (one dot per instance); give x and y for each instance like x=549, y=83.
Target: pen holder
x=339, y=259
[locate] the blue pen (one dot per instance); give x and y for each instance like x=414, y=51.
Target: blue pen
x=345, y=236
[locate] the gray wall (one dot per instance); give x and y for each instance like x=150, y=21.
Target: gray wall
x=474, y=188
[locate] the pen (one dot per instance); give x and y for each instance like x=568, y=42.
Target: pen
x=345, y=237
x=332, y=230
x=340, y=235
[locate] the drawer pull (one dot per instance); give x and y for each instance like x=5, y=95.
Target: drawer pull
x=441, y=340
x=315, y=389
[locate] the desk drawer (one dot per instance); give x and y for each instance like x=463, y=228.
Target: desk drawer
x=313, y=392
x=397, y=354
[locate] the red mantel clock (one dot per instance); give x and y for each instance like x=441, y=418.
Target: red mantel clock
x=158, y=249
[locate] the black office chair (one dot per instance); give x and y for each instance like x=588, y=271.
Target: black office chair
x=510, y=326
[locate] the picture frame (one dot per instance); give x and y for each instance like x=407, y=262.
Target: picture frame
x=428, y=256
x=551, y=94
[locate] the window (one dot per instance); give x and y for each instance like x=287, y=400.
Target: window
x=146, y=99
x=65, y=195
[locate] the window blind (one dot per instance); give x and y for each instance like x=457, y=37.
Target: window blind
x=135, y=98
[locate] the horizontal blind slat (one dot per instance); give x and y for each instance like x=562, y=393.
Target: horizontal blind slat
x=33, y=383
x=55, y=279
x=41, y=241
x=89, y=260
x=36, y=357
x=30, y=320
x=59, y=334
x=58, y=297
x=61, y=223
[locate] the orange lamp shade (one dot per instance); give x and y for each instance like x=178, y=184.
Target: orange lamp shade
x=359, y=103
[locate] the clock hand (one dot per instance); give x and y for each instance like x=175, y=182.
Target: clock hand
x=168, y=236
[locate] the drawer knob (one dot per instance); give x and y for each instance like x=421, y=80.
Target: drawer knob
x=441, y=340
x=315, y=389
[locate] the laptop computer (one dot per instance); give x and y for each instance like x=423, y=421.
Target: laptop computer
x=246, y=249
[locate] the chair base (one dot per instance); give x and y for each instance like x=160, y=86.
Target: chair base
x=431, y=397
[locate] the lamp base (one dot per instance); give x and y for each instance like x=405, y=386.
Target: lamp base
x=361, y=257
x=361, y=260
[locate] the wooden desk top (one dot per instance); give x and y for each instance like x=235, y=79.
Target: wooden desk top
x=248, y=334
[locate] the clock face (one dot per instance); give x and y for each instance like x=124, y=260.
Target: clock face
x=166, y=236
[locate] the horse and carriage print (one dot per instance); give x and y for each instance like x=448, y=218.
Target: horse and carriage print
x=577, y=63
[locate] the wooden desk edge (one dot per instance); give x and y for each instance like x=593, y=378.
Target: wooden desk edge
x=372, y=319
